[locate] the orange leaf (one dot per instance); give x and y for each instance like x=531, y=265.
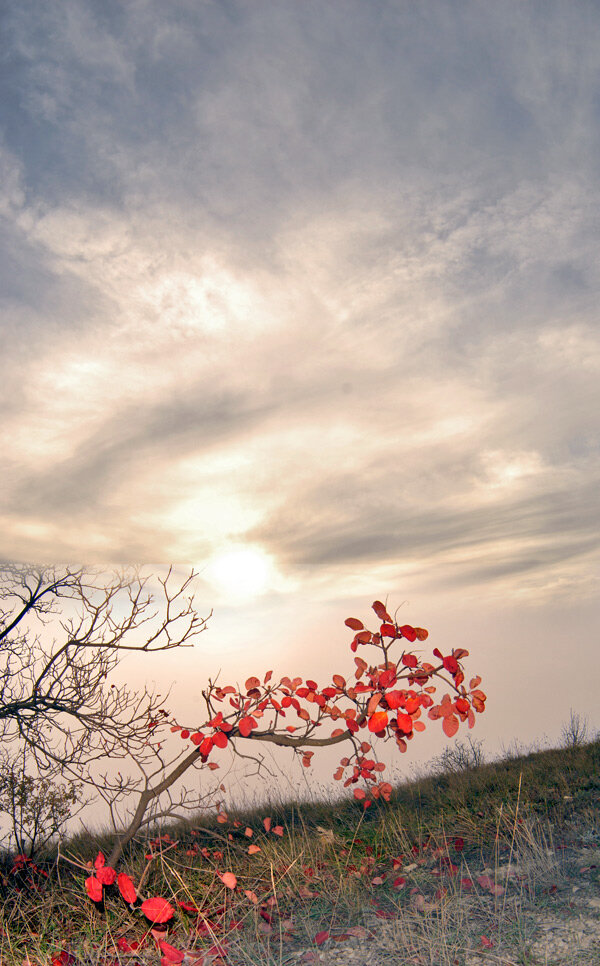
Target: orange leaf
x=339, y=681
x=251, y=895
x=252, y=683
x=278, y=830
x=267, y=824
x=378, y=721
x=373, y=702
x=405, y=723
x=253, y=849
x=228, y=879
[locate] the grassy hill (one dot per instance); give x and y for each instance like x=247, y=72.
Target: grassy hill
x=495, y=864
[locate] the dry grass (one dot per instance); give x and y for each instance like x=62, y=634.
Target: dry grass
x=524, y=888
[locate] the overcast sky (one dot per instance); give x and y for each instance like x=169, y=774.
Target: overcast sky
x=305, y=294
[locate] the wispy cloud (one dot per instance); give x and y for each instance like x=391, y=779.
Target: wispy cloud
x=321, y=279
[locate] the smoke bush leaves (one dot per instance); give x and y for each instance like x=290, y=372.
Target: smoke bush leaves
x=157, y=909
x=126, y=887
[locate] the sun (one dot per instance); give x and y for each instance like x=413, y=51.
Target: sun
x=240, y=572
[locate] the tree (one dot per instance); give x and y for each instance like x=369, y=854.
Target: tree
x=57, y=700
x=368, y=706
x=62, y=632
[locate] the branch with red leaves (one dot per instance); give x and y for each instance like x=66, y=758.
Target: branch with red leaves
x=383, y=698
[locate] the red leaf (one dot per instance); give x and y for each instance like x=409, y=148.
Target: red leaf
x=459, y=844
x=378, y=721
x=451, y=664
x=93, y=887
x=252, y=683
x=381, y=611
x=99, y=861
x=169, y=952
x=387, y=678
x=395, y=699
x=408, y=632
x=157, y=909
x=220, y=739
x=106, y=875
x=126, y=887
x=228, y=879
x=206, y=746
x=267, y=824
x=246, y=725
x=450, y=725
x=339, y=681
x=354, y=624
x=278, y=830
x=322, y=937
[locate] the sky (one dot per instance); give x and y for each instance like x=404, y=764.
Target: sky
x=305, y=295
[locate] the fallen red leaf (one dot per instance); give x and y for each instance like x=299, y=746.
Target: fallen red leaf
x=126, y=887
x=93, y=887
x=157, y=909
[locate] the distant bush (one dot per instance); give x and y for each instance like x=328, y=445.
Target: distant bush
x=461, y=756
x=37, y=808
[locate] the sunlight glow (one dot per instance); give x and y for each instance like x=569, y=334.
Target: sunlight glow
x=240, y=572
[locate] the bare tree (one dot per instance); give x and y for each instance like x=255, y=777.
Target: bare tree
x=62, y=632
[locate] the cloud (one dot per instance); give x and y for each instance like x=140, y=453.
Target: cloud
x=322, y=279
